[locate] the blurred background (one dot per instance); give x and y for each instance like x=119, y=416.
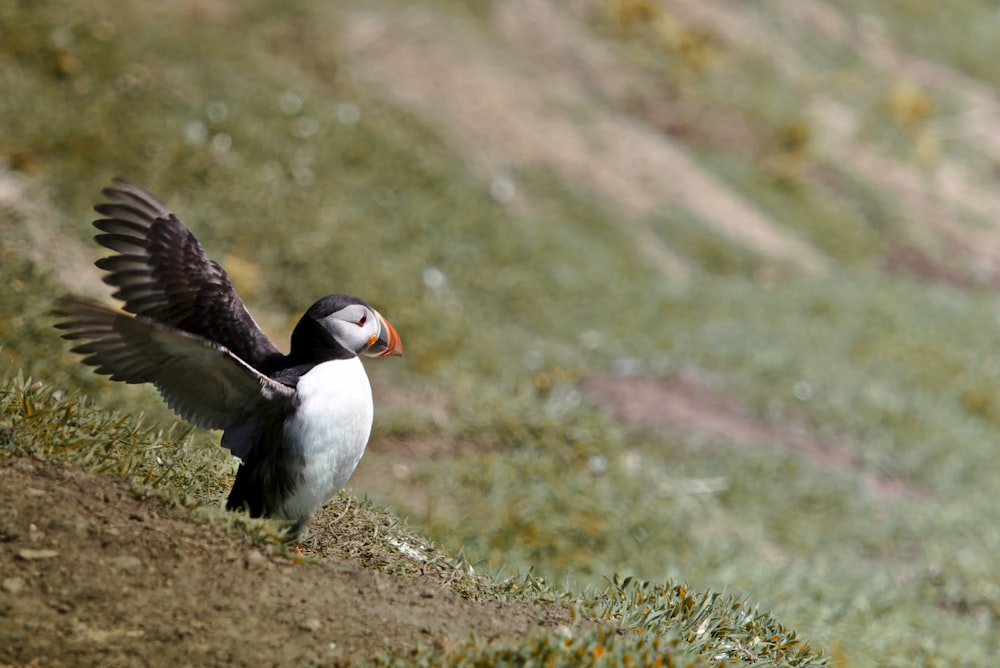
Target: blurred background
x=690, y=289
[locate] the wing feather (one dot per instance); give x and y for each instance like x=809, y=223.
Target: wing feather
x=201, y=380
x=163, y=274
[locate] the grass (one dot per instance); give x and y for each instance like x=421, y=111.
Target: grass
x=961, y=34
x=665, y=625
x=638, y=620
x=901, y=380
x=263, y=130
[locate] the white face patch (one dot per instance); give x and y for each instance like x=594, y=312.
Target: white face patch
x=353, y=326
x=353, y=313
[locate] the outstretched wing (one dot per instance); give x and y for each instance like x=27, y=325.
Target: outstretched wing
x=162, y=273
x=200, y=380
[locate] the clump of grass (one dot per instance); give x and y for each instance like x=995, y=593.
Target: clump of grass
x=601, y=646
x=40, y=420
x=716, y=626
x=357, y=529
x=638, y=623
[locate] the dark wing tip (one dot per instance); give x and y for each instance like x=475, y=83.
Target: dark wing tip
x=64, y=307
x=124, y=191
x=69, y=306
x=119, y=183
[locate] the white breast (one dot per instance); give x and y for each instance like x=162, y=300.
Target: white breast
x=329, y=430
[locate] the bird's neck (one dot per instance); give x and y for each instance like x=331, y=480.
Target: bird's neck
x=312, y=346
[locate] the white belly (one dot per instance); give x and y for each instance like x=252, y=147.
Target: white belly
x=329, y=430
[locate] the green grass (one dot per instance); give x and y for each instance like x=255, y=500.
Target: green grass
x=244, y=133
x=637, y=620
x=902, y=380
x=663, y=626
x=960, y=34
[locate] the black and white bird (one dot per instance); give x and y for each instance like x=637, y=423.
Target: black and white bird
x=298, y=423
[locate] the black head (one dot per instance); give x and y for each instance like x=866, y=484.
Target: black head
x=340, y=327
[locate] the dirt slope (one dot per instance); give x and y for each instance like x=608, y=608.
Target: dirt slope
x=91, y=574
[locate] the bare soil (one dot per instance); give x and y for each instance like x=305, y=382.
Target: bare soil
x=93, y=573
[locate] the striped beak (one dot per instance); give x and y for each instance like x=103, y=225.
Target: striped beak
x=388, y=343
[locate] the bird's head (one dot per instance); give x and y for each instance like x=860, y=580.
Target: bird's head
x=340, y=326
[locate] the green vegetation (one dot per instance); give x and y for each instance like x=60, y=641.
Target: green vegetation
x=636, y=619
x=664, y=626
x=880, y=549
x=961, y=34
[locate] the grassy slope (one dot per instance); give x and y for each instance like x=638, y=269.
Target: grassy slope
x=902, y=373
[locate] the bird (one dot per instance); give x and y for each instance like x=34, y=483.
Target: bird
x=298, y=423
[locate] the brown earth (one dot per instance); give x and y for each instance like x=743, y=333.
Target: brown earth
x=92, y=573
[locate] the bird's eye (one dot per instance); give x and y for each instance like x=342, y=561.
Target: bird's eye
x=362, y=321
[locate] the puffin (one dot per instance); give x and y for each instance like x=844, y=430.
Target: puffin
x=298, y=423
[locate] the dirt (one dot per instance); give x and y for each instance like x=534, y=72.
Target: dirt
x=92, y=573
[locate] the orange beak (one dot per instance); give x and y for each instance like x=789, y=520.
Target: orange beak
x=388, y=343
